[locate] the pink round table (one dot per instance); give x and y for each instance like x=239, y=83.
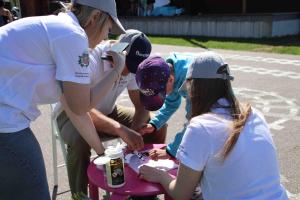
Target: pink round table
x=133, y=185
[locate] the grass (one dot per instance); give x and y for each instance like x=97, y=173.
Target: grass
x=282, y=45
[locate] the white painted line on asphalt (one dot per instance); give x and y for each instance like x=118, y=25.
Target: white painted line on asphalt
x=293, y=196
x=283, y=179
x=279, y=109
x=264, y=71
x=245, y=58
x=262, y=59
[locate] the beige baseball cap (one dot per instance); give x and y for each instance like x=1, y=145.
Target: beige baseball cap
x=108, y=6
x=208, y=65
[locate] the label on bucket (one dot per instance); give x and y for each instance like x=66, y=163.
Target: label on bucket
x=115, y=172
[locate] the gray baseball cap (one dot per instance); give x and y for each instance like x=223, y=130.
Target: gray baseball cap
x=208, y=65
x=108, y=6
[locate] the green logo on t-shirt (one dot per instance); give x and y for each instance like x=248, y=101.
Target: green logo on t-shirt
x=84, y=60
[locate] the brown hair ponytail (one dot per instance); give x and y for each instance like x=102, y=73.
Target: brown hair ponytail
x=204, y=94
x=238, y=125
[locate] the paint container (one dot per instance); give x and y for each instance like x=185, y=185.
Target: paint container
x=115, y=167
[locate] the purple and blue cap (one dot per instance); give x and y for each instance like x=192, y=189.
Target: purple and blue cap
x=139, y=48
x=152, y=76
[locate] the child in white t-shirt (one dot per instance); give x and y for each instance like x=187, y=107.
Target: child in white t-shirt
x=227, y=146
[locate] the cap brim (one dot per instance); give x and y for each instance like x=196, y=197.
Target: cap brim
x=117, y=27
x=119, y=47
x=153, y=103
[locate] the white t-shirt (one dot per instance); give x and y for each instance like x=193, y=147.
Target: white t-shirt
x=100, y=69
x=250, y=171
x=35, y=52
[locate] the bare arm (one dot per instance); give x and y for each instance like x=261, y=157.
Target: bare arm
x=185, y=183
x=104, y=123
x=112, y=127
x=77, y=97
x=84, y=124
x=181, y=187
x=141, y=115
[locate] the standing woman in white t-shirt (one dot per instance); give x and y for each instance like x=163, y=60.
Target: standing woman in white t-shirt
x=43, y=60
x=227, y=146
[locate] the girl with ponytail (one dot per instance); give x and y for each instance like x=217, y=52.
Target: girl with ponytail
x=227, y=147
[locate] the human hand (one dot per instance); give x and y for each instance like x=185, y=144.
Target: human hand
x=112, y=41
x=150, y=174
x=118, y=60
x=156, y=154
x=146, y=128
x=132, y=138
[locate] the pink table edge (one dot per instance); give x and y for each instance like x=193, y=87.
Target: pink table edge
x=130, y=188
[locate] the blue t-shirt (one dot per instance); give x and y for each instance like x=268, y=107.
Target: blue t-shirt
x=172, y=102
x=181, y=62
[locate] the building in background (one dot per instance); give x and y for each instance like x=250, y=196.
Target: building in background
x=212, y=18
x=215, y=18
x=199, y=7
x=189, y=7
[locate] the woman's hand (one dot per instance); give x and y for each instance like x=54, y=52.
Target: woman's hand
x=156, y=154
x=118, y=60
x=151, y=174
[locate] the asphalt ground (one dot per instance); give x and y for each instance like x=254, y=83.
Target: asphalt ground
x=270, y=82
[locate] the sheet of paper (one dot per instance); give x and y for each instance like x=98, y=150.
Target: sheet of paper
x=135, y=163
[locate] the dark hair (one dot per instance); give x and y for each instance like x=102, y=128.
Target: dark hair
x=204, y=94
